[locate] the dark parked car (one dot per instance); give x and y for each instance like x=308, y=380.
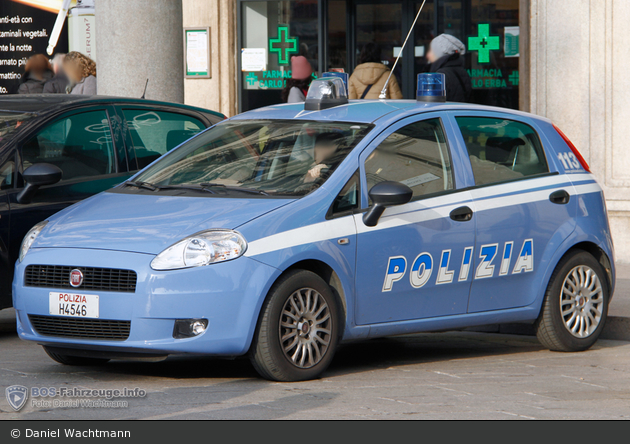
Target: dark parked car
x=56, y=150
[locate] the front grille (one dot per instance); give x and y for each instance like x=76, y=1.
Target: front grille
x=103, y=279
x=80, y=328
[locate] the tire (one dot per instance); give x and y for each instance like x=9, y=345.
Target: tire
x=302, y=309
x=578, y=273
x=74, y=360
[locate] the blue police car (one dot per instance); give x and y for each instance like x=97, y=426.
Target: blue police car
x=286, y=230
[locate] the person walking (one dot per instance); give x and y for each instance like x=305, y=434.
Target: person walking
x=81, y=72
x=301, y=76
x=36, y=73
x=57, y=85
x=369, y=77
x=446, y=57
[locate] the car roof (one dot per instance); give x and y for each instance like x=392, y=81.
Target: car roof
x=368, y=111
x=43, y=103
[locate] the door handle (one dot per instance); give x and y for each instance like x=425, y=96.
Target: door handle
x=560, y=197
x=462, y=214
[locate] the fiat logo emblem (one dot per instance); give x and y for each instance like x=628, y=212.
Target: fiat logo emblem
x=76, y=277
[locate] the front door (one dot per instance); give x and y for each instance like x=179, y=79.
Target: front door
x=81, y=145
x=416, y=262
x=7, y=178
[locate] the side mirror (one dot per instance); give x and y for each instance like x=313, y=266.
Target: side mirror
x=36, y=176
x=385, y=194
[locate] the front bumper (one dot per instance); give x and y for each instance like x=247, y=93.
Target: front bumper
x=229, y=295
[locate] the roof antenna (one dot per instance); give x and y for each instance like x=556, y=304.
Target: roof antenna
x=145, y=89
x=383, y=94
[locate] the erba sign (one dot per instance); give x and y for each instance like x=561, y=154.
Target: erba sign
x=421, y=269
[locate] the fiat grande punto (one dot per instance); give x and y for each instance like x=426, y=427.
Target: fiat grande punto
x=284, y=231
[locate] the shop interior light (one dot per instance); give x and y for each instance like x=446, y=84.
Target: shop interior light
x=324, y=93
x=431, y=87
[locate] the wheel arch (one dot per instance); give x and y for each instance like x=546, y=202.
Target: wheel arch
x=600, y=255
x=330, y=276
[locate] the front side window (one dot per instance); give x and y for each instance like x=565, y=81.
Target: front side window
x=501, y=150
x=264, y=157
x=154, y=133
x=348, y=198
x=415, y=155
x=7, y=173
x=10, y=122
x=80, y=145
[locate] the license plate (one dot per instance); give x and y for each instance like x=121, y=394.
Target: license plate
x=73, y=305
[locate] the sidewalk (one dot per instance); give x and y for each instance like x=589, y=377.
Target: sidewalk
x=617, y=327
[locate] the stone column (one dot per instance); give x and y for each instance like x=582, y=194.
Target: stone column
x=578, y=77
x=140, y=40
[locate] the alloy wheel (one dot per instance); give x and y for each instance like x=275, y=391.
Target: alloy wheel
x=582, y=301
x=305, y=328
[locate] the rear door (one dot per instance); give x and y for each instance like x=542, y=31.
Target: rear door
x=151, y=133
x=415, y=263
x=520, y=212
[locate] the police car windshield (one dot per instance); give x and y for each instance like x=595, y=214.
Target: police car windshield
x=256, y=157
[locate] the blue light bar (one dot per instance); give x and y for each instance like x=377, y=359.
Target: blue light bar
x=431, y=87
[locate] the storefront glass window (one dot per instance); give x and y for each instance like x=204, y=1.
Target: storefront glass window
x=493, y=45
x=273, y=32
x=337, y=36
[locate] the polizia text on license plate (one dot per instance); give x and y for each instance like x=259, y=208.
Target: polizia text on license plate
x=73, y=305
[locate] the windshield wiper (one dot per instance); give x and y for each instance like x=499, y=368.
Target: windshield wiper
x=143, y=185
x=207, y=186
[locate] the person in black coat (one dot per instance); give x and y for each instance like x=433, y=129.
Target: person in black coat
x=446, y=57
x=36, y=73
x=58, y=84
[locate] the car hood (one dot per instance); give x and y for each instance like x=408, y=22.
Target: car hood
x=146, y=223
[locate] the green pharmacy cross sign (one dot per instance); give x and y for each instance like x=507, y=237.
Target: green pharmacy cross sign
x=251, y=78
x=484, y=43
x=283, y=45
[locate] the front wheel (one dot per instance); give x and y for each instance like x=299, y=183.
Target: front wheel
x=576, y=304
x=298, y=330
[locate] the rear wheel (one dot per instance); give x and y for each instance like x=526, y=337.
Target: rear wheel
x=298, y=330
x=576, y=304
x=64, y=359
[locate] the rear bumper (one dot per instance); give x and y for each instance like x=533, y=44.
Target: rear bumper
x=228, y=295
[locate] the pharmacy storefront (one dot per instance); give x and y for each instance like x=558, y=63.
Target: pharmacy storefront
x=331, y=33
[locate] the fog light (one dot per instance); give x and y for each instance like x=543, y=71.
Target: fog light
x=188, y=328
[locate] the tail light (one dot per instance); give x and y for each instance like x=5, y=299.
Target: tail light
x=574, y=150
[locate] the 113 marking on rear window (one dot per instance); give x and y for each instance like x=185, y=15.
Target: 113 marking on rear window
x=569, y=161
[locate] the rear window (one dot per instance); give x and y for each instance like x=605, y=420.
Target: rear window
x=502, y=150
x=11, y=121
x=154, y=133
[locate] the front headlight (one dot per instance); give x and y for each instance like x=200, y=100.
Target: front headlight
x=207, y=247
x=30, y=238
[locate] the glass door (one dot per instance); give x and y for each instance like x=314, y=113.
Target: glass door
x=379, y=22
x=488, y=29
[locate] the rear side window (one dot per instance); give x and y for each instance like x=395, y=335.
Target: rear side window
x=154, y=133
x=501, y=150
